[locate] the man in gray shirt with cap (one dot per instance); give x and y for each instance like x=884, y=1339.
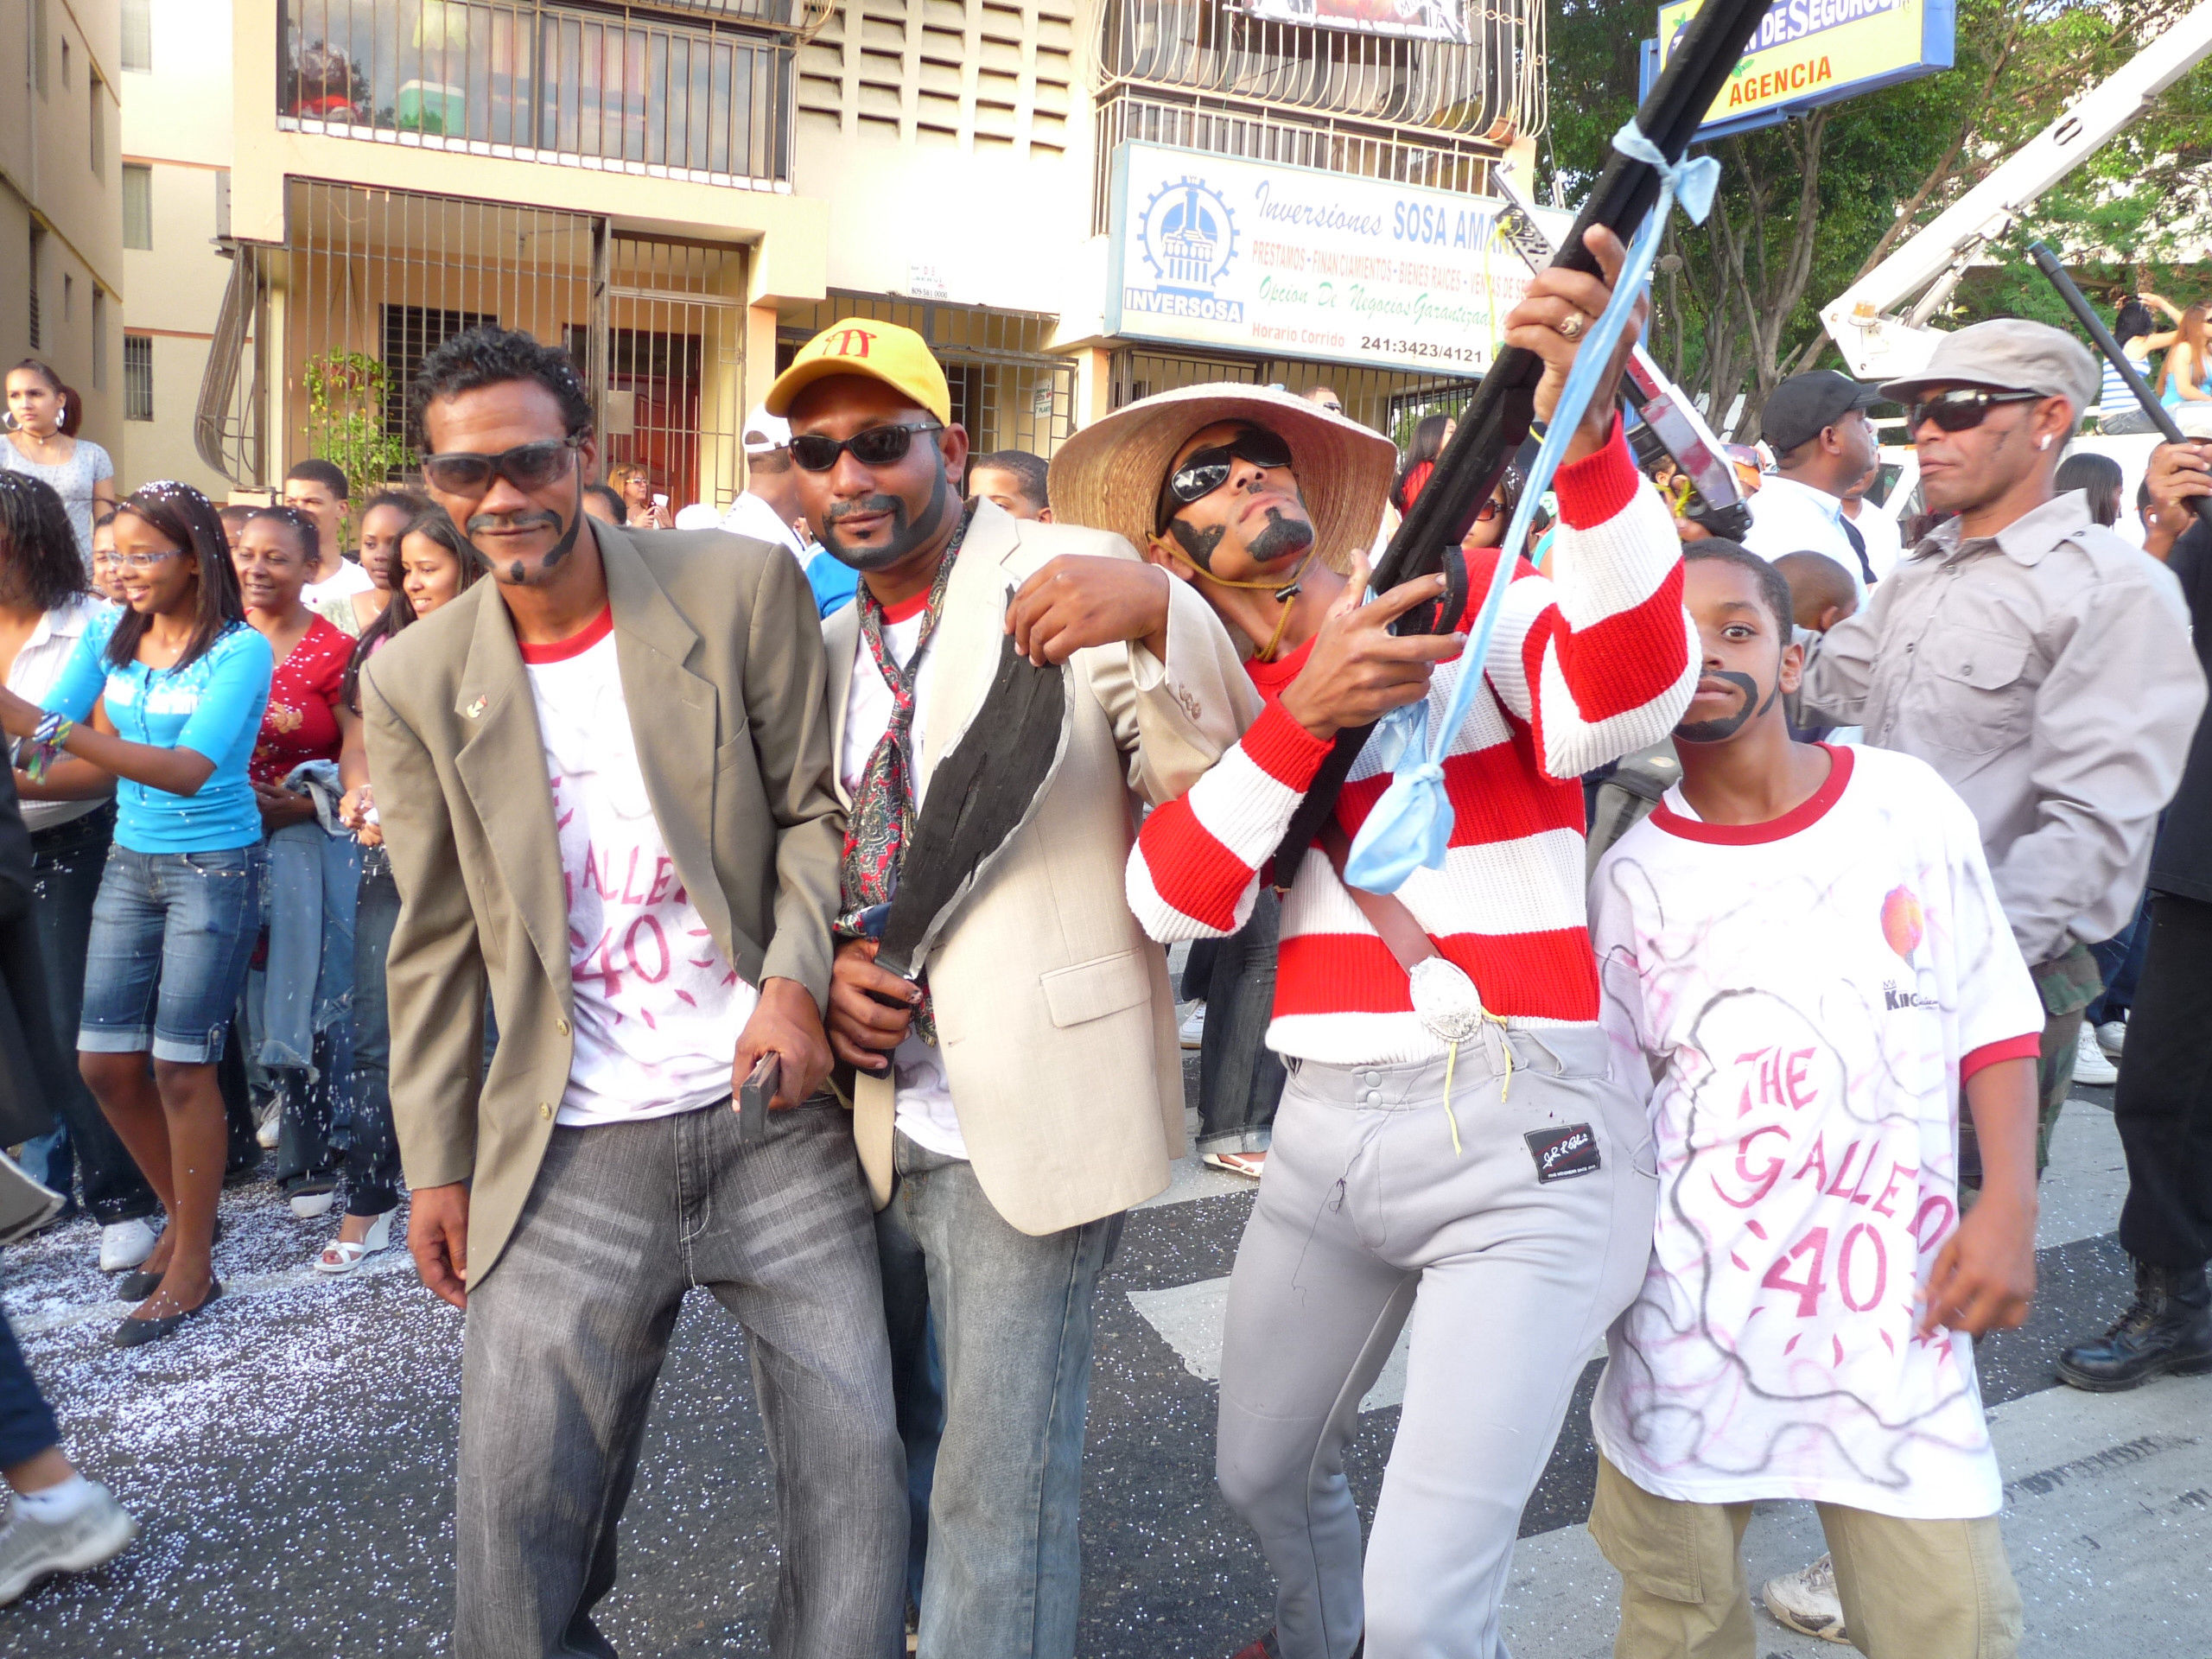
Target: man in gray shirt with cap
x=1817, y=425
x=2037, y=662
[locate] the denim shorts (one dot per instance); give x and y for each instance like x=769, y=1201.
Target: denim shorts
x=172, y=934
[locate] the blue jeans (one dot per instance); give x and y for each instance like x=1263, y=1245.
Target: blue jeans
x=2119, y=962
x=172, y=934
x=66, y=864
x=27, y=1425
x=299, y=1006
x=363, y=1130
x=1240, y=1077
x=1013, y=1315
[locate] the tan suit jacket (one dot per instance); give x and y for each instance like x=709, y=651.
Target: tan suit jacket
x=1054, y=1010
x=720, y=657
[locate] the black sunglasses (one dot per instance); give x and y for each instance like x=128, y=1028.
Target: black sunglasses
x=1205, y=471
x=1960, y=410
x=527, y=466
x=878, y=446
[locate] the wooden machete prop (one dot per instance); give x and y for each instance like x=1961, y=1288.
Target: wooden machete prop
x=1497, y=418
x=980, y=795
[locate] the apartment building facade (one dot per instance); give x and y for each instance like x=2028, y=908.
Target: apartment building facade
x=1078, y=201
x=61, y=268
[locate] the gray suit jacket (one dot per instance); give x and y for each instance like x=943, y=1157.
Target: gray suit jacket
x=720, y=661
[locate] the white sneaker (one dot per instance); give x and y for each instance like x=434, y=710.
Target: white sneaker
x=309, y=1205
x=2111, y=1035
x=271, y=1130
x=1807, y=1602
x=31, y=1550
x=2090, y=1065
x=1192, y=1031
x=124, y=1244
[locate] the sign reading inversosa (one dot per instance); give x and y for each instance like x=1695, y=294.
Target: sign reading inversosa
x=1289, y=261
x=1807, y=52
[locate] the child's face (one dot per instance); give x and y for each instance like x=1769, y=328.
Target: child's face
x=1746, y=657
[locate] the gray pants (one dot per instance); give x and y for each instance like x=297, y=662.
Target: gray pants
x=1366, y=1217
x=565, y=1339
x=1012, y=1314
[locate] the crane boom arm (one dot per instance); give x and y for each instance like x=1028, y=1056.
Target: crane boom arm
x=1878, y=344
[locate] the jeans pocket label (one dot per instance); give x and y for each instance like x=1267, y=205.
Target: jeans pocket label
x=1563, y=1152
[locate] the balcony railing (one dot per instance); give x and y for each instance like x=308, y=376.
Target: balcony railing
x=617, y=90
x=1489, y=85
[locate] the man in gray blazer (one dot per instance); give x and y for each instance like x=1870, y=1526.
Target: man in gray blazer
x=604, y=778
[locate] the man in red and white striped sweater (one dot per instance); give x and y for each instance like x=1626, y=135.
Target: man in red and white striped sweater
x=1498, y=1192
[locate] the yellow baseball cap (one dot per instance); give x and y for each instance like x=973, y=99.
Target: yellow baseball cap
x=881, y=350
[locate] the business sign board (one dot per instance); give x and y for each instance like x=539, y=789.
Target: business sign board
x=1289, y=261
x=1807, y=53
x=1421, y=20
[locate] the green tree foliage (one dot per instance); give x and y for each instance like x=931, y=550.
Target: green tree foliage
x=345, y=420
x=1807, y=207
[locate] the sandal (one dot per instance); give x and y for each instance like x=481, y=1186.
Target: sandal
x=342, y=1257
x=1250, y=1164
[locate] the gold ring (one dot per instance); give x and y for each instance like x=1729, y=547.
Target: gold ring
x=1571, y=325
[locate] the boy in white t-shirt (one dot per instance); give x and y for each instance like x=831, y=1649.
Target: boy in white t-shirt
x=1804, y=964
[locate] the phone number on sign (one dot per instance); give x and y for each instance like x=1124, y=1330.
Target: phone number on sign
x=1428, y=348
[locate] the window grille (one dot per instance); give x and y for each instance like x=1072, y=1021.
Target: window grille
x=617, y=90
x=137, y=377
x=1007, y=390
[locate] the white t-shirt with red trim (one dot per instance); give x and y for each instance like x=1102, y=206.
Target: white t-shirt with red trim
x=923, y=1112
x=1801, y=1001
x=658, y=1008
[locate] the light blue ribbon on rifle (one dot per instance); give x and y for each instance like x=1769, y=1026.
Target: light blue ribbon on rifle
x=1410, y=827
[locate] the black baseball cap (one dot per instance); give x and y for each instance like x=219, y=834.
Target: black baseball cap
x=1802, y=406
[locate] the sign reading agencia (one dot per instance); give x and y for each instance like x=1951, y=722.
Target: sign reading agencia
x=1807, y=53
x=1288, y=262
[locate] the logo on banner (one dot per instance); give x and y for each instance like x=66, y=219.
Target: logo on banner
x=1188, y=235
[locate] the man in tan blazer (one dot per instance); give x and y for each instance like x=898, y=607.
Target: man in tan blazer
x=1004, y=1152
x=604, y=779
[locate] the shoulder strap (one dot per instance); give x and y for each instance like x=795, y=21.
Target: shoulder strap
x=1385, y=911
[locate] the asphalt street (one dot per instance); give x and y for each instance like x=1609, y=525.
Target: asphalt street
x=291, y=1458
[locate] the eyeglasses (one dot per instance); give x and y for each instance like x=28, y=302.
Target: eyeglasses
x=141, y=562
x=878, y=446
x=1489, y=509
x=1960, y=409
x=527, y=466
x=1205, y=471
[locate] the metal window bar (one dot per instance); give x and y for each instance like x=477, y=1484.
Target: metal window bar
x=369, y=282
x=614, y=90
x=137, y=377
x=228, y=418
x=1490, y=83
x=1007, y=390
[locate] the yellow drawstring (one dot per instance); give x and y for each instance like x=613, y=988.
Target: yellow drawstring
x=1451, y=1063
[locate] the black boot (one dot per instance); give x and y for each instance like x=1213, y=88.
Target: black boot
x=2167, y=1332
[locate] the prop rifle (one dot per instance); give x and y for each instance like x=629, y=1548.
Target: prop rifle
x=1670, y=424
x=1497, y=418
x=2084, y=314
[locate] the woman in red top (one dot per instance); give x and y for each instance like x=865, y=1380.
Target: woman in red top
x=295, y=1007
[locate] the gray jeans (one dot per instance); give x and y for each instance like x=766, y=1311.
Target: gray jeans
x=1368, y=1216
x=1012, y=1314
x=565, y=1339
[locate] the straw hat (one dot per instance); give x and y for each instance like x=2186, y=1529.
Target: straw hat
x=1108, y=475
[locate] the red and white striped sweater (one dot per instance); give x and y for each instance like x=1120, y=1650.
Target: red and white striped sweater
x=1596, y=663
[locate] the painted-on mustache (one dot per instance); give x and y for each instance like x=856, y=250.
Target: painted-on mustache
x=843, y=510
x=1720, y=730
x=513, y=521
